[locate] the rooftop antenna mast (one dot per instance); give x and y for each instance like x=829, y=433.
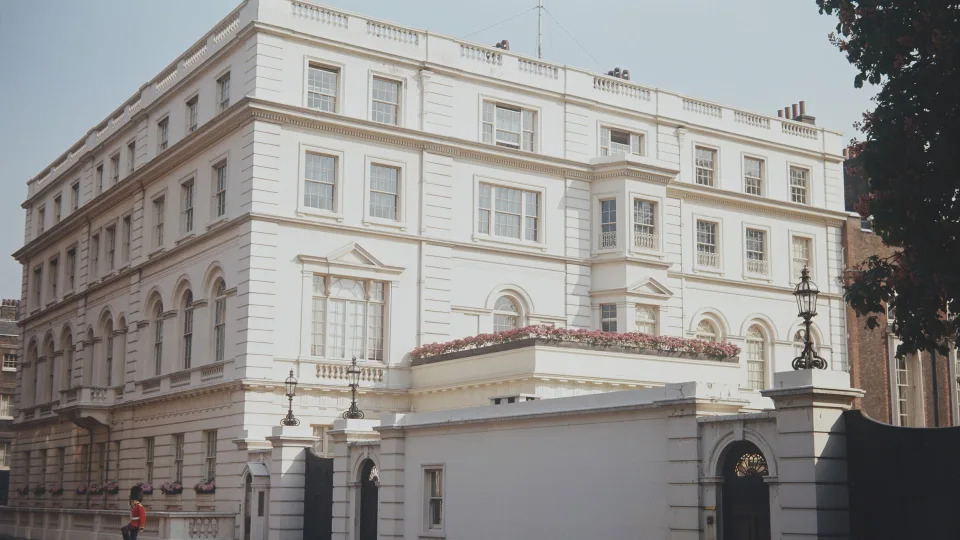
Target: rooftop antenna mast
x=539, y=28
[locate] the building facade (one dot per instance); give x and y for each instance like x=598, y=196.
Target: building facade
x=10, y=349
x=304, y=186
x=917, y=390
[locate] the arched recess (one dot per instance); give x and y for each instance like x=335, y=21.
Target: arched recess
x=67, y=347
x=517, y=292
x=49, y=354
x=814, y=333
x=211, y=275
x=762, y=320
x=745, y=494
x=715, y=317
x=29, y=377
x=218, y=318
x=369, y=501
x=721, y=446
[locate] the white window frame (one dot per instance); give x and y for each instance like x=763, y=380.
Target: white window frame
x=115, y=169
x=506, y=103
x=322, y=63
x=74, y=196
x=401, y=221
x=188, y=205
x=715, y=179
x=57, y=208
x=633, y=132
x=764, y=174
x=163, y=133
x=215, y=191
x=131, y=156
x=222, y=102
x=158, y=220
x=323, y=350
x=401, y=94
x=657, y=203
x=70, y=268
x=98, y=174
x=656, y=317
x=598, y=223
x=718, y=222
x=41, y=219
x=809, y=191
x=126, y=235
x=150, y=452
x=428, y=527
x=541, y=192
x=110, y=246
x=192, y=112
x=606, y=319
x=303, y=209
x=812, y=256
x=767, y=258
x=93, y=256
x=765, y=349
x=53, y=271
x=178, y=442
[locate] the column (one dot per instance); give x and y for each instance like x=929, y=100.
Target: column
x=287, y=469
x=813, y=499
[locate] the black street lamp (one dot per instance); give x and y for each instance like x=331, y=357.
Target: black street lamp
x=291, y=387
x=353, y=376
x=806, y=293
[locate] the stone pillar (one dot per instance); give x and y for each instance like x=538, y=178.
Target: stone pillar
x=392, y=477
x=813, y=499
x=686, y=403
x=287, y=468
x=353, y=441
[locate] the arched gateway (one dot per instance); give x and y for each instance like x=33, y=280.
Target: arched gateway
x=745, y=498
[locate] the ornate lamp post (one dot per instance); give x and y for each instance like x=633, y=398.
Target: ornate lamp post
x=291, y=387
x=806, y=293
x=353, y=376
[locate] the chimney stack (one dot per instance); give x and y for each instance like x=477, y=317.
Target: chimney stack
x=796, y=113
x=786, y=112
x=779, y=113
x=804, y=117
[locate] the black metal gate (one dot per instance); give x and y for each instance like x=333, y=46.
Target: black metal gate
x=318, y=498
x=904, y=482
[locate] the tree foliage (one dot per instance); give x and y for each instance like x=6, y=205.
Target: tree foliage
x=911, y=155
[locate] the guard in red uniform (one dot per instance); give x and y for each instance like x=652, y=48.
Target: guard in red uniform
x=138, y=515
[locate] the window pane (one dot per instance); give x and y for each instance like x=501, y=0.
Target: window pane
x=705, y=159
x=386, y=100
x=322, y=88
x=320, y=184
x=384, y=186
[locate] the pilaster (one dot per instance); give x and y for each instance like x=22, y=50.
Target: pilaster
x=287, y=477
x=811, y=448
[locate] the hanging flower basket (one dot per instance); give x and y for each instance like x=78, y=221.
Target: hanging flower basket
x=39, y=489
x=171, y=488
x=146, y=488
x=206, y=487
x=55, y=489
x=25, y=490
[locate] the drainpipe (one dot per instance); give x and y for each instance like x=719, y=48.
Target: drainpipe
x=106, y=472
x=89, y=464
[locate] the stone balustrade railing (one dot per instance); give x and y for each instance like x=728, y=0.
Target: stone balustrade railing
x=337, y=373
x=96, y=524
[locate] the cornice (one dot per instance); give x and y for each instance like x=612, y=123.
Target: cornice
x=744, y=284
x=754, y=203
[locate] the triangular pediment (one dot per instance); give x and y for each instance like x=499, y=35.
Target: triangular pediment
x=354, y=254
x=650, y=287
x=349, y=260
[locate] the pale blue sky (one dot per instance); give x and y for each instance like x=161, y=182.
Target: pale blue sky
x=66, y=64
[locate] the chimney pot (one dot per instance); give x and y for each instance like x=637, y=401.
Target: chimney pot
x=786, y=112
x=779, y=113
x=796, y=112
x=803, y=108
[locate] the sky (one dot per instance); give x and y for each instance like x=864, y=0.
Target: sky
x=66, y=65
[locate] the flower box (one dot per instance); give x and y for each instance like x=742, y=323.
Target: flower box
x=207, y=486
x=55, y=489
x=25, y=490
x=39, y=489
x=111, y=487
x=635, y=341
x=145, y=487
x=171, y=488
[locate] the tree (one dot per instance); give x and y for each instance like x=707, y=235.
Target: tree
x=911, y=156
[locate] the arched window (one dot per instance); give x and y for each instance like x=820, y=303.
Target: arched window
x=646, y=318
x=219, y=319
x=798, y=340
x=348, y=317
x=187, y=318
x=49, y=354
x=66, y=342
x=89, y=359
x=756, y=352
x=506, y=314
x=108, y=353
x=122, y=352
x=707, y=331
x=158, y=338
x=33, y=356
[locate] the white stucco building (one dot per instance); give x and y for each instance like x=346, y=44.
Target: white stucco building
x=305, y=185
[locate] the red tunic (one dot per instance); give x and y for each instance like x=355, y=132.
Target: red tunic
x=138, y=516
